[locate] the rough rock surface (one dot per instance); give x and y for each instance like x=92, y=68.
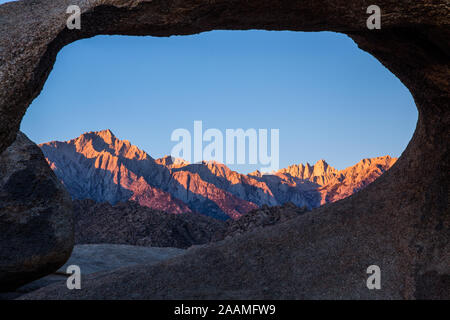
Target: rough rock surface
x=400, y=222
x=36, y=227
x=258, y=219
x=93, y=258
x=130, y=223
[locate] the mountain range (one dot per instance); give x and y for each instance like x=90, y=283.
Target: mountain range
x=99, y=166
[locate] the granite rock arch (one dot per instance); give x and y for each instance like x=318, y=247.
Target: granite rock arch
x=402, y=220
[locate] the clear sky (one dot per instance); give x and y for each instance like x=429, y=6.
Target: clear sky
x=329, y=99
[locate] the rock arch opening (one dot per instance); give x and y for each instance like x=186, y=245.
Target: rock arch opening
x=412, y=249
x=324, y=106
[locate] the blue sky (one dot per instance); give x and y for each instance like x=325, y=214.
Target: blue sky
x=329, y=99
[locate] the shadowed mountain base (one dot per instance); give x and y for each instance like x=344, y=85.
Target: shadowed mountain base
x=129, y=223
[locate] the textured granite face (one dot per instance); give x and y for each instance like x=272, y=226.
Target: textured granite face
x=131, y=224
x=93, y=258
x=400, y=222
x=36, y=227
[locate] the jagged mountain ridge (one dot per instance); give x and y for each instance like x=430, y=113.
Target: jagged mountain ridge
x=99, y=166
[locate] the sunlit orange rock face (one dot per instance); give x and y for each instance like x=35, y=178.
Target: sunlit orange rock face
x=352, y=179
x=99, y=166
x=333, y=184
x=320, y=173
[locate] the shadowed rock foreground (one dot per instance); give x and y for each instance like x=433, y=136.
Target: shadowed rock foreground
x=129, y=223
x=92, y=258
x=36, y=226
x=400, y=222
